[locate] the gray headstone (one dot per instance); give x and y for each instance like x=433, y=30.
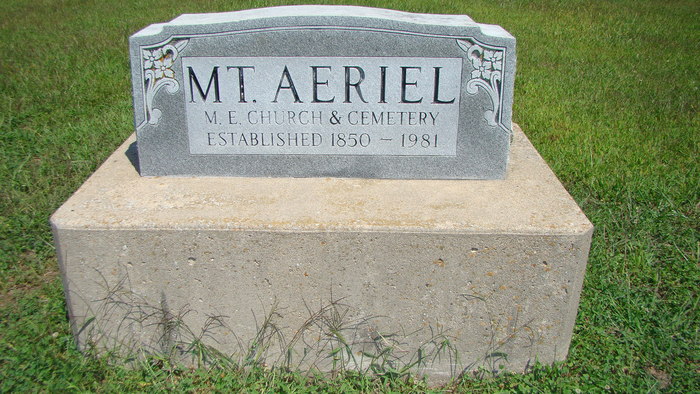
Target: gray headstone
x=315, y=91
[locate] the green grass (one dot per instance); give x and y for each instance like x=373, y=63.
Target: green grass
x=607, y=91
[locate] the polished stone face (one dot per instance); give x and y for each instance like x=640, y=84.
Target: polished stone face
x=379, y=106
x=316, y=91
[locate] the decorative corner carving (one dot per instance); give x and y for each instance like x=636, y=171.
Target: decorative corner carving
x=157, y=64
x=487, y=74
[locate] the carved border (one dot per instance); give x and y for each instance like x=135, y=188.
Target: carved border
x=487, y=61
x=157, y=62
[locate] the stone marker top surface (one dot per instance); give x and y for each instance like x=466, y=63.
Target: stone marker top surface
x=324, y=11
x=524, y=205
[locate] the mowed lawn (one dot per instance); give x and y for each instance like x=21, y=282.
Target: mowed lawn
x=608, y=92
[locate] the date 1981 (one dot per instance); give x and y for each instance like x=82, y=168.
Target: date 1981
x=424, y=141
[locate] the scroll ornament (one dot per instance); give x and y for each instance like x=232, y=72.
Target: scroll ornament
x=487, y=75
x=158, y=73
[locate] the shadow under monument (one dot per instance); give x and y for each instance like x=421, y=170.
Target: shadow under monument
x=133, y=155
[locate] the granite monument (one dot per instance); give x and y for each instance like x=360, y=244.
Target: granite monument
x=323, y=91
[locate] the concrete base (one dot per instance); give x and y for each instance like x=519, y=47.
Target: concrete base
x=439, y=276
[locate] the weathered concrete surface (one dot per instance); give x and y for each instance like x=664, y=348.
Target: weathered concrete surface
x=494, y=267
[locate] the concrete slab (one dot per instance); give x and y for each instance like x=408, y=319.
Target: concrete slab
x=457, y=274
